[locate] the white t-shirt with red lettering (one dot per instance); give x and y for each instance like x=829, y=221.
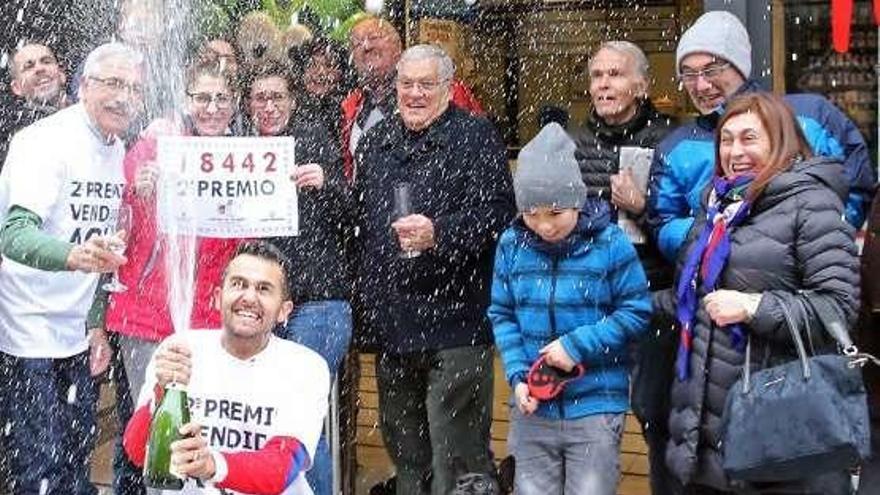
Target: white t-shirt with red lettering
x=62, y=170
x=241, y=404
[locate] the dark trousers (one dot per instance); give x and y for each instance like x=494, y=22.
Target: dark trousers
x=48, y=410
x=128, y=479
x=652, y=376
x=656, y=435
x=435, y=408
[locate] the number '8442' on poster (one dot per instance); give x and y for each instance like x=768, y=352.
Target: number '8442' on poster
x=226, y=186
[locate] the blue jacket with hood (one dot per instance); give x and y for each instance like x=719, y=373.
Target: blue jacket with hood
x=685, y=161
x=589, y=290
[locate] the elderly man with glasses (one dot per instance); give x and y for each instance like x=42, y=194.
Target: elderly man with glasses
x=375, y=50
x=60, y=192
x=714, y=62
x=433, y=194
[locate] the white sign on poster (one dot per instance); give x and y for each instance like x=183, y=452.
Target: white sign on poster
x=228, y=187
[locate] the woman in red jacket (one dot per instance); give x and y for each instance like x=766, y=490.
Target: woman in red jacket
x=139, y=316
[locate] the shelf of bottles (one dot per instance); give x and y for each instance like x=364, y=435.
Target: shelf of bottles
x=847, y=79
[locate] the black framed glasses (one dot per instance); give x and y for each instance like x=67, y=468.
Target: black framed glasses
x=708, y=73
x=118, y=85
x=222, y=101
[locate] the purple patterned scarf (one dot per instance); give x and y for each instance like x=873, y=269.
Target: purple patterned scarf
x=706, y=259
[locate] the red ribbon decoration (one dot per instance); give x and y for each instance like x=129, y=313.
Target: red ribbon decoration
x=841, y=23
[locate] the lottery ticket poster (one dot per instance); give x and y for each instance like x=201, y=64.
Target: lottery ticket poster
x=227, y=187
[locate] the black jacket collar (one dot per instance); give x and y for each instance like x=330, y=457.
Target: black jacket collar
x=438, y=134
x=616, y=133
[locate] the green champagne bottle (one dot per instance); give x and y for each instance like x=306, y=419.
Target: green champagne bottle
x=172, y=413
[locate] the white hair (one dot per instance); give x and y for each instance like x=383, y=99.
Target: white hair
x=446, y=67
x=632, y=50
x=96, y=59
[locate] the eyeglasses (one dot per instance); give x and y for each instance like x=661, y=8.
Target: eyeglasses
x=118, y=85
x=708, y=73
x=426, y=86
x=221, y=100
x=357, y=42
x=263, y=99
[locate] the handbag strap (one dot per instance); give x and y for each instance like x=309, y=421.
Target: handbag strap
x=795, y=336
x=835, y=327
x=830, y=319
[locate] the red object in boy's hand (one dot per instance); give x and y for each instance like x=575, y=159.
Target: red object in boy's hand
x=546, y=382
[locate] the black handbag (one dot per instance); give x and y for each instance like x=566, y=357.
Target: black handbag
x=799, y=419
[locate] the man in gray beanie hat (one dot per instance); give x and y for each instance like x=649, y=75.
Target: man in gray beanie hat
x=719, y=33
x=547, y=173
x=714, y=59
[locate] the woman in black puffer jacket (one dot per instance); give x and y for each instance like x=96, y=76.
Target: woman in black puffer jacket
x=780, y=211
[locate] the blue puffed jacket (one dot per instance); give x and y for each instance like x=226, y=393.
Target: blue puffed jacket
x=589, y=290
x=685, y=161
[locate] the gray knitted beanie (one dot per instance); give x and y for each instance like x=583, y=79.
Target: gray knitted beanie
x=547, y=173
x=718, y=33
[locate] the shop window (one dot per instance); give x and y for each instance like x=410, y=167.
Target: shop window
x=847, y=79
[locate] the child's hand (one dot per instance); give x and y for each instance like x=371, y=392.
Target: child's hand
x=555, y=355
x=525, y=402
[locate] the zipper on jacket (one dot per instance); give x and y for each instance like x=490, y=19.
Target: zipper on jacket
x=554, y=268
x=554, y=271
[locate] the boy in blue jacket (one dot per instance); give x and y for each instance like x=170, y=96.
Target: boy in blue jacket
x=568, y=288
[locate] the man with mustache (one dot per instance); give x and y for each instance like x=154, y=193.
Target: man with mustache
x=714, y=63
x=60, y=191
x=37, y=84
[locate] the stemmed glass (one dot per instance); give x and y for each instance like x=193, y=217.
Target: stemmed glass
x=118, y=245
x=402, y=208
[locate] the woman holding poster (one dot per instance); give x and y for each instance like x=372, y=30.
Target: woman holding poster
x=319, y=285
x=139, y=316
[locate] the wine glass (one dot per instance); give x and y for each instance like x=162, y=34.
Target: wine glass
x=118, y=245
x=402, y=208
